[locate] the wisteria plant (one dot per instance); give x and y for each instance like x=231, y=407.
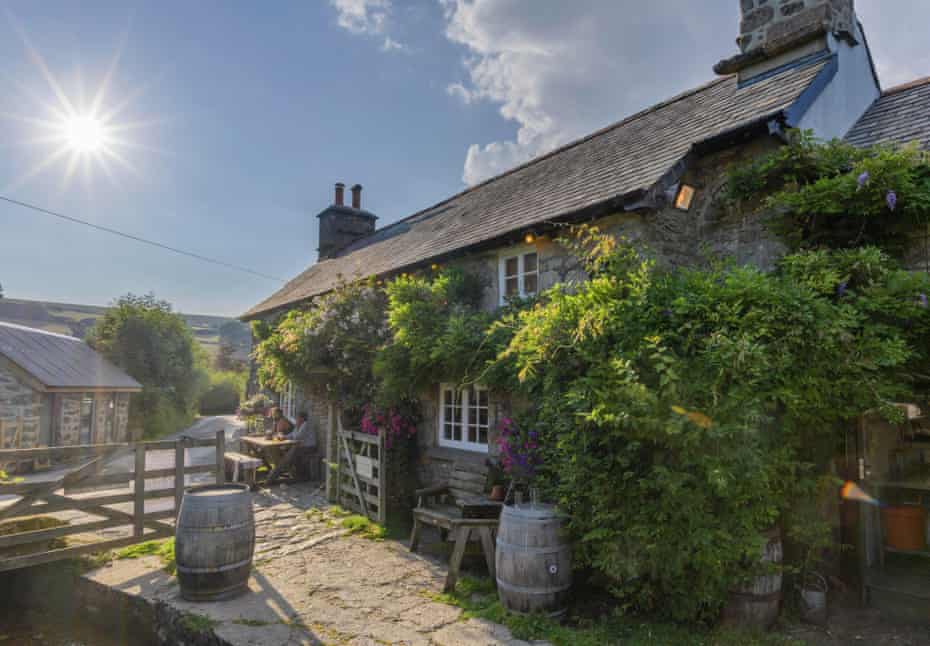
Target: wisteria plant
x=520, y=453
x=397, y=426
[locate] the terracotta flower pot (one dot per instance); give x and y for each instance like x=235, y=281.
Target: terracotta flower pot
x=498, y=492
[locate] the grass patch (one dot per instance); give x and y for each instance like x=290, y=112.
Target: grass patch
x=163, y=549
x=478, y=598
x=198, y=623
x=362, y=526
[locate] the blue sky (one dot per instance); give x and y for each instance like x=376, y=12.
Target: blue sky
x=236, y=118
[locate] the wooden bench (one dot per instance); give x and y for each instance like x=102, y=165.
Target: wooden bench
x=461, y=507
x=237, y=464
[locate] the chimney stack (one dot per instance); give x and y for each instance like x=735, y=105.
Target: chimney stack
x=774, y=33
x=340, y=225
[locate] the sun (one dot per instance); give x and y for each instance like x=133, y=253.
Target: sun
x=84, y=134
x=77, y=131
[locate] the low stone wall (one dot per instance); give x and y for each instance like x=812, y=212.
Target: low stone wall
x=57, y=599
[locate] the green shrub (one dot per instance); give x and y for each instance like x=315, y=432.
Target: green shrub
x=681, y=413
x=223, y=394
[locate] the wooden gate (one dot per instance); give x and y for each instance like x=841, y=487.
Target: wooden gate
x=361, y=477
x=81, y=498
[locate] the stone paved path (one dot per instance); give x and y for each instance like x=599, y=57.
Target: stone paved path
x=313, y=584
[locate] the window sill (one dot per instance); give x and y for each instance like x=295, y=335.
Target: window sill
x=455, y=455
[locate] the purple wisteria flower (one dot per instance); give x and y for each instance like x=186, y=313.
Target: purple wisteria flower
x=923, y=300
x=892, y=200
x=864, y=179
x=841, y=289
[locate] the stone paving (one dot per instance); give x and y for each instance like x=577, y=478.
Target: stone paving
x=314, y=584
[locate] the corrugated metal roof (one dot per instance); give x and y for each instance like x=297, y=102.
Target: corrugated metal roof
x=60, y=361
x=619, y=160
x=900, y=116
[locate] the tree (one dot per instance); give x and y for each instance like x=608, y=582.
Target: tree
x=154, y=345
x=226, y=359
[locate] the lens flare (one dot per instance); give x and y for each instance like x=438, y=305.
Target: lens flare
x=852, y=491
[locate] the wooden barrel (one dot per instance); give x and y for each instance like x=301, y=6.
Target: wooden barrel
x=756, y=603
x=533, y=560
x=214, y=542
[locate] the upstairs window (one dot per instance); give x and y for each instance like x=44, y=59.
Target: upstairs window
x=464, y=417
x=519, y=274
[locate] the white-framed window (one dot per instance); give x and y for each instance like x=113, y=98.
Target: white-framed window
x=464, y=417
x=288, y=401
x=519, y=273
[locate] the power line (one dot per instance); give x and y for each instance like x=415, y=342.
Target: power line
x=129, y=236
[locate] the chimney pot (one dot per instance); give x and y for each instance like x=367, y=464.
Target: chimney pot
x=340, y=194
x=357, y=196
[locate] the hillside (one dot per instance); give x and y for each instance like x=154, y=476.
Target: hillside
x=75, y=320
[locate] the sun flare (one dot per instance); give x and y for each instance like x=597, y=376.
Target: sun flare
x=77, y=132
x=84, y=134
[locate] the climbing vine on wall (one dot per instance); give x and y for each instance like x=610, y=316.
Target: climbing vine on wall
x=835, y=195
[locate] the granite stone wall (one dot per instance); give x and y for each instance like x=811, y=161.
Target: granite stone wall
x=20, y=409
x=69, y=423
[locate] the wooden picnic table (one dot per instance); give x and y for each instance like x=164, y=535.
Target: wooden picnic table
x=270, y=451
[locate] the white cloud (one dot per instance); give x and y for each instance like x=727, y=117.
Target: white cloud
x=367, y=18
x=559, y=70
x=460, y=91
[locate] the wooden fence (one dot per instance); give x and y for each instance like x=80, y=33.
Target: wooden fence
x=360, y=485
x=84, y=486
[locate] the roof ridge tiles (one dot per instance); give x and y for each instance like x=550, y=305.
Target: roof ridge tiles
x=910, y=85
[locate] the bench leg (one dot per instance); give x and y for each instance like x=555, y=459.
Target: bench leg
x=458, y=552
x=487, y=546
x=415, y=535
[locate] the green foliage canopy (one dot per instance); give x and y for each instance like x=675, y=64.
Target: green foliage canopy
x=154, y=345
x=330, y=345
x=681, y=413
x=834, y=194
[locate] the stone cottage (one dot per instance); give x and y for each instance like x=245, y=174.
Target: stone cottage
x=654, y=177
x=56, y=391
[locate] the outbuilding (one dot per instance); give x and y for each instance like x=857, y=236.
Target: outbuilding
x=55, y=390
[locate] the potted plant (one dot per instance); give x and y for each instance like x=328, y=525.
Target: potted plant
x=813, y=536
x=520, y=457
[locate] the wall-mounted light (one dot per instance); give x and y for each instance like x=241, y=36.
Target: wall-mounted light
x=529, y=238
x=684, y=198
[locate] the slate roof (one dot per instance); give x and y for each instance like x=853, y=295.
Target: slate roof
x=900, y=116
x=59, y=361
x=619, y=160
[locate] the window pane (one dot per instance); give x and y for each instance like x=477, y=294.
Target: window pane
x=511, y=267
x=483, y=417
x=529, y=262
x=529, y=284
x=483, y=398
x=483, y=436
x=447, y=431
x=513, y=287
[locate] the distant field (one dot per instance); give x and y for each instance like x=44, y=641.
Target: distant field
x=75, y=320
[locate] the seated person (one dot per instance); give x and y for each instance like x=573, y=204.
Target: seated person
x=280, y=425
x=301, y=455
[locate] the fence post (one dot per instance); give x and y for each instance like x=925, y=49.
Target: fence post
x=382, y=479
x=179, y=448
x=138, y=509
x=220, y=459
